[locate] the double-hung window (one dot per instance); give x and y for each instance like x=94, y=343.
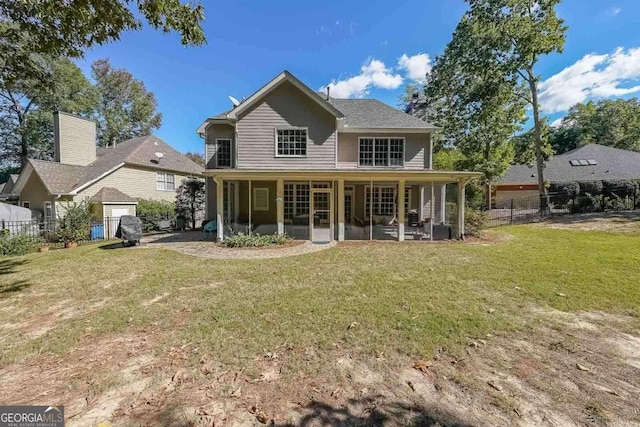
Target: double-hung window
x=223, y=152
x=381, y=152
x=165, y=181
x=291, y=142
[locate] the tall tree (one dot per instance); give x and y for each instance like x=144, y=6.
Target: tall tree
x=125, y=109
x=190, y=198
x=479, y=110
x=514, y=34
x=68, y=28
x=26, y=104
x=615, y=123
x=197, y=158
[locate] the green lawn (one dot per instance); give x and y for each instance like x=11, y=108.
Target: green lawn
x=398, y=299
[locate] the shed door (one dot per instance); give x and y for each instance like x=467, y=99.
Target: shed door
x=114, y=220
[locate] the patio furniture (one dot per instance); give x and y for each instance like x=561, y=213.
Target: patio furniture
x=210, y=226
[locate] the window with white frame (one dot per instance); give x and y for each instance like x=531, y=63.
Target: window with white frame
x=223, y=153
x=381, y=152
x=261, y=199
x=165, y=181
x=384, y=200
x=296, y=200
x=26, y=204
x=48, y=212
x=291, y=142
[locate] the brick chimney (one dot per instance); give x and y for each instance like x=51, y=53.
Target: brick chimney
x=74, y=139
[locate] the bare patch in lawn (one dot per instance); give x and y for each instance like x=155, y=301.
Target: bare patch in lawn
x=605, y=221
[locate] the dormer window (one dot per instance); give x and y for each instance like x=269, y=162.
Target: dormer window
x=291, y=142
x=381, y=152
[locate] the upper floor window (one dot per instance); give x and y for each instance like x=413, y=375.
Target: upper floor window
x=223, y=153
x=381, y=152
x=165, y=181
x=291, y=142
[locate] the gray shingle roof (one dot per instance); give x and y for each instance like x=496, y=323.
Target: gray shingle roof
x=110, y=194
x=612, y=164
x=60, y=178
x=372, y=114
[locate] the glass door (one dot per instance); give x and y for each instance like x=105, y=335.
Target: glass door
x=321, y=207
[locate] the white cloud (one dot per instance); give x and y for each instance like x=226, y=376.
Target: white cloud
x=416, y=66
x=594, y=76
x=373, y=74
x=556, y=123
x=614, y=11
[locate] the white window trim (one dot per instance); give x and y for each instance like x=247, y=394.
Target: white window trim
x=28, y=202
x=53, y=214
x=407, y=198
x=255, y=206
x=373, y=153
x=230, y=153
x=165, y=181
x=290, y=156
x=296, y=200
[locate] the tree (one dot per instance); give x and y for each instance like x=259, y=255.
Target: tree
x=524, y=145
x=513, y=35
x=479, y=110
x=197, y=158
x=26, y=104
x=68, y=28
x=615, y=123
x=190, y=198
x=125, y=108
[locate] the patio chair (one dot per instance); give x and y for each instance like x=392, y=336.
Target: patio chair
x=211, y=227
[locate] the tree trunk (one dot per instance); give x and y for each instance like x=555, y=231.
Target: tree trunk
x=537, y=134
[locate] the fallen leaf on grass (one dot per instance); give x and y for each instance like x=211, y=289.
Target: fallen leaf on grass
x=581, y=367
x=422, y=365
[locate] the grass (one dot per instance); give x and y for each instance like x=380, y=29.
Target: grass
x=379, y=298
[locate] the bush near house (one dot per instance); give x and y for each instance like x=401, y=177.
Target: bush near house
x=475, y=221
x=75, y=225
x=151, y=212
x=242, y=240
x=18, y=244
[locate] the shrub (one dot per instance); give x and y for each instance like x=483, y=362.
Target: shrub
x=587, y=203
x=475, y=221
x=18, y=244
x=242, y=240
x=615, y=203
x=592, y=187
x=570, y=188
x=153, y=211
x=620, y=188
x=75, y=225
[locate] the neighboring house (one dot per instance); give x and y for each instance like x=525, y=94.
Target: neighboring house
x=113, y=178
x=5, y=190
x=289, y=159
x=592, y=162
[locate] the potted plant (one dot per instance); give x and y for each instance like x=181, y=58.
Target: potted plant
x=75, y=226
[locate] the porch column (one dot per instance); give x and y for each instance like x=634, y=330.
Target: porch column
x=341, y=210
x=443, y=204
x=280, y=205
x=219, y=209
x=432, y=209
x=461, y=201
x=421, y=207
x=401, y=210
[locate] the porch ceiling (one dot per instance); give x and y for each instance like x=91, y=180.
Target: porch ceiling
x=347, y=175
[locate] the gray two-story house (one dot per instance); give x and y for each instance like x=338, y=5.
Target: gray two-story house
x=291, y=160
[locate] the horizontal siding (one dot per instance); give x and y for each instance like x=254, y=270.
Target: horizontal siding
x=416, y=149
x=75, y=140
x=35, y=193
x=216, y=131
x=134, y=182
x=285, y=106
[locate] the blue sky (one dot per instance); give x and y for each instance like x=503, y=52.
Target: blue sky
x=367, y=48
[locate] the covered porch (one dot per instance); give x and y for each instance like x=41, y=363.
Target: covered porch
x=323, y=206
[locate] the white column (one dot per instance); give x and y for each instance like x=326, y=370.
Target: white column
x=401, y=210
x=421, y=207
x=250, y=207
x=280, y=205
x=432, y=209
x=461, y=199
x=443, y=203
x=341, y=210
x=219, y=209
